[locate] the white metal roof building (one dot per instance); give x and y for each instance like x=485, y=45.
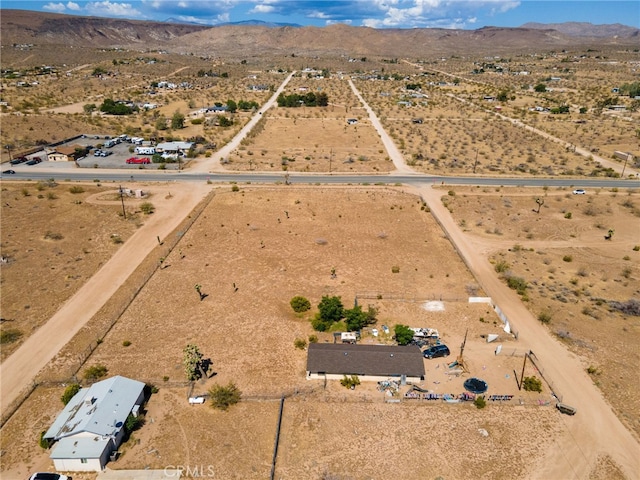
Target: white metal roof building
x=174, y=147
x=91, y=426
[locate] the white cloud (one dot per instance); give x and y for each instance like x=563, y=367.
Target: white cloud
x=262, y=9
x=112, y=9
x=319, y=14
x=54, y=7
x=434, y=13
x=73, y=6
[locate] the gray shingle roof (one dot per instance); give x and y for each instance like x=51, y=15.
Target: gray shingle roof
x=376, y=360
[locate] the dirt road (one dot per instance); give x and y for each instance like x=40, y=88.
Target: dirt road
x=213, y=164
x=18, y=371
x=394, y=153
x=594, y=430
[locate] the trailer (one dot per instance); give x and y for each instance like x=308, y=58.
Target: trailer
x=566, y=409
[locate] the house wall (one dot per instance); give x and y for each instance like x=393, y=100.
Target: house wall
x=75, y=465
x=57, y=157
x=363, y=378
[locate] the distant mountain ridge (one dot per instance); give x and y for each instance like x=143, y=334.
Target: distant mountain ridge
x=254, y=38
x=244, y=22
x=586, y=29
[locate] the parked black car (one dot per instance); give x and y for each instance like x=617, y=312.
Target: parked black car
x=33, y=161
x=8, y=172
x=436, y=351
x=18, y=160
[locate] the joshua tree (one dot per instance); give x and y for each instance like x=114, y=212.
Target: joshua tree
x=609, y=234
x=540, y=202
x=198, y=288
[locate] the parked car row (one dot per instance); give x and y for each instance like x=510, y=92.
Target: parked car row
x=102, y=153
x=25, y=160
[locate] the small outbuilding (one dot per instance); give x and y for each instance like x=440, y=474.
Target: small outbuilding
x=368, y=362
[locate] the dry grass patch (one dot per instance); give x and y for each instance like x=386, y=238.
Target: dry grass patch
x=571, y=272
x=53, y=244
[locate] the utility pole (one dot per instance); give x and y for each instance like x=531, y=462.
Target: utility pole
x=623, y=168
x=522, y=375
x=330, y=157
x=124, y=212
x=476, y=162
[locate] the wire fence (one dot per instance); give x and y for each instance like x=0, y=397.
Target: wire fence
x=102, y=322
x=402, y=297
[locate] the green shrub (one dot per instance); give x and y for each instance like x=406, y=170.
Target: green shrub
x=567, y=258
x=532, y=384
x=9, y=335
x=313, y=338
x=126, y=343
x=235, y=188
x=70, y=392
x=300, y=343
x=544, y=317
x=319, y=325
x=395, y=269
x=403, y=334
x=567, y=215
x=132, y=423
x=518, y=284
x=76, y=189
x=300, y=304
x=96, y=371
x=350, y=382
x=43, y=442
x=501, y=266
x=222, y=397
x=480, y=402
x=147, y=208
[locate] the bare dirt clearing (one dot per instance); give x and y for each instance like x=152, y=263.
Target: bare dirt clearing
x=249, y=335
x=54, y=241
x=573, y=274
x=314, y=139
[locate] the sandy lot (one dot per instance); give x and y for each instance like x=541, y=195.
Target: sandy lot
x=54, y=241
x=249, y=336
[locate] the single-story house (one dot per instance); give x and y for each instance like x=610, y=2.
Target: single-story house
x=369, y=362
x=66, y=154
x=174, y=147
x=91, y=426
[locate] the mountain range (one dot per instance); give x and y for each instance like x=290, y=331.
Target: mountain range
x=260, y=39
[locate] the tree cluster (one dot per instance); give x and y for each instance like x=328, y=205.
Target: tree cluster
x=309, y=100
x=403, y=334
x=111, y=107
x=331, y=310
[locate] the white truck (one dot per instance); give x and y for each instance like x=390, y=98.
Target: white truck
x=145, y=150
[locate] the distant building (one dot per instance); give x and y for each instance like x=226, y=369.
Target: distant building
x=91, y=426
x=66, y=153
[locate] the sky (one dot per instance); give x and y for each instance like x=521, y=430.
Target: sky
x=460, y=14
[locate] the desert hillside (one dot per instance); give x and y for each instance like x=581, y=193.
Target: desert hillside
x=230, y=40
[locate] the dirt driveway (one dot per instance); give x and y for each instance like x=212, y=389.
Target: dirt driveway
x=595, y=430
x=17, y=371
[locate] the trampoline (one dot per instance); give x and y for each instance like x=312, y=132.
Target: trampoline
x=475, y=385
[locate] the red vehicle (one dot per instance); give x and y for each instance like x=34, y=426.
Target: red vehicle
x=138, y=161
